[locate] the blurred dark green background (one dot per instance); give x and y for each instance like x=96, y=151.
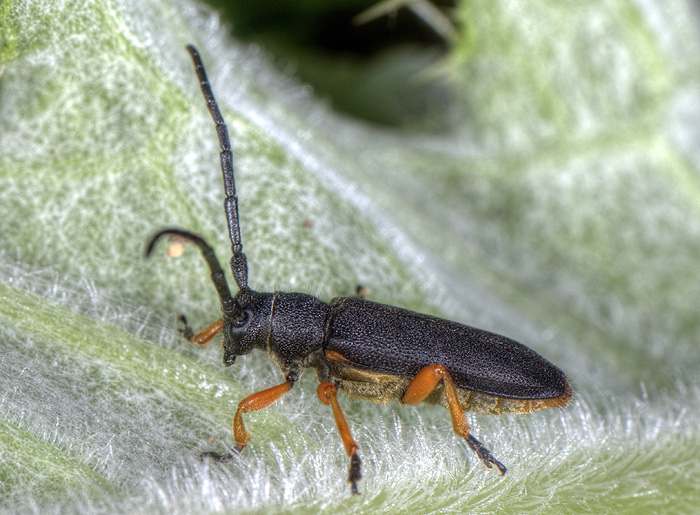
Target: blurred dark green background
x=368, y=60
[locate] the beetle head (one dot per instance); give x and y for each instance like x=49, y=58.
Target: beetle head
x=249, y=326
x=247, y=316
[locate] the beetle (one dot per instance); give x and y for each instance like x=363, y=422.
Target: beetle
x=364, y=349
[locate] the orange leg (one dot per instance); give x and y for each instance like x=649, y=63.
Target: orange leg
x=205, y=335
x=254, y=402
x=423, y=385
x=329, y=395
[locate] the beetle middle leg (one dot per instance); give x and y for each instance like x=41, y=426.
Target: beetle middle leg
x=424, y=383
x=204, y=336
x=329, y=395
x=254, y=402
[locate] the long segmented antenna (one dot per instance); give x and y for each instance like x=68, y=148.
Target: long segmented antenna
x=239, y=262
x=228, y=305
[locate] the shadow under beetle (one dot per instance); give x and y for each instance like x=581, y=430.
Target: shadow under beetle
x=367, y=350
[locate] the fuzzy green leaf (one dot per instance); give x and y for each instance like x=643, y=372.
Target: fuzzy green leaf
x=562, y=209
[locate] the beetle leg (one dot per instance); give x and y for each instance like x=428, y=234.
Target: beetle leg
x=361, y=292
x=424, y=383
x=329, y=395
x=254, y=402
x=204, y=336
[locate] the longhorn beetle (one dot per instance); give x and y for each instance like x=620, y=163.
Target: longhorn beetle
x=367, y=350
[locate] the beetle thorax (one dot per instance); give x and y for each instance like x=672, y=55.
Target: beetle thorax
x=298, y=326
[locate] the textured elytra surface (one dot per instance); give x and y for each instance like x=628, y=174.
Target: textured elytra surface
x=574, y=230
x=397, y=341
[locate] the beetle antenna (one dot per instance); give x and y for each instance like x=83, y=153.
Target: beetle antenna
x=239, y=262
x=228, y=305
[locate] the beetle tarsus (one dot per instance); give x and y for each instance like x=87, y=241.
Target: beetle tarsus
x=186, y=331
x=484, y=454
x=220, y=457
x=355, y=473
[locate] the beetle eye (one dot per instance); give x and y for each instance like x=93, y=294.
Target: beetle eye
x=239, y=325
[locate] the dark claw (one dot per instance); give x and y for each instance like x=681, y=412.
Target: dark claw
x=484, y=454
x=355, y=474
x=186, y=332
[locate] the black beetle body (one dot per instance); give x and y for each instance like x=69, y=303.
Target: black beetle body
x=367, y=350
x=498, y=375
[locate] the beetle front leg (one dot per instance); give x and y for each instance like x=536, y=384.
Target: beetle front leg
x=329, y=395
x=254, y=402
x=204, y=336
x=424, y=383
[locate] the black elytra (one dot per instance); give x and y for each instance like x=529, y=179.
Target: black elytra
x=365, y=349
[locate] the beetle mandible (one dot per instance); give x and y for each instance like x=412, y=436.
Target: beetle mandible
x=364, y=349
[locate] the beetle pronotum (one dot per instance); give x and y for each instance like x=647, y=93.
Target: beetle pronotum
x=364, y=349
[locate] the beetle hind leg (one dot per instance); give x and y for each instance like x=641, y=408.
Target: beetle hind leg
x=424, y=383
x=328, y=394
